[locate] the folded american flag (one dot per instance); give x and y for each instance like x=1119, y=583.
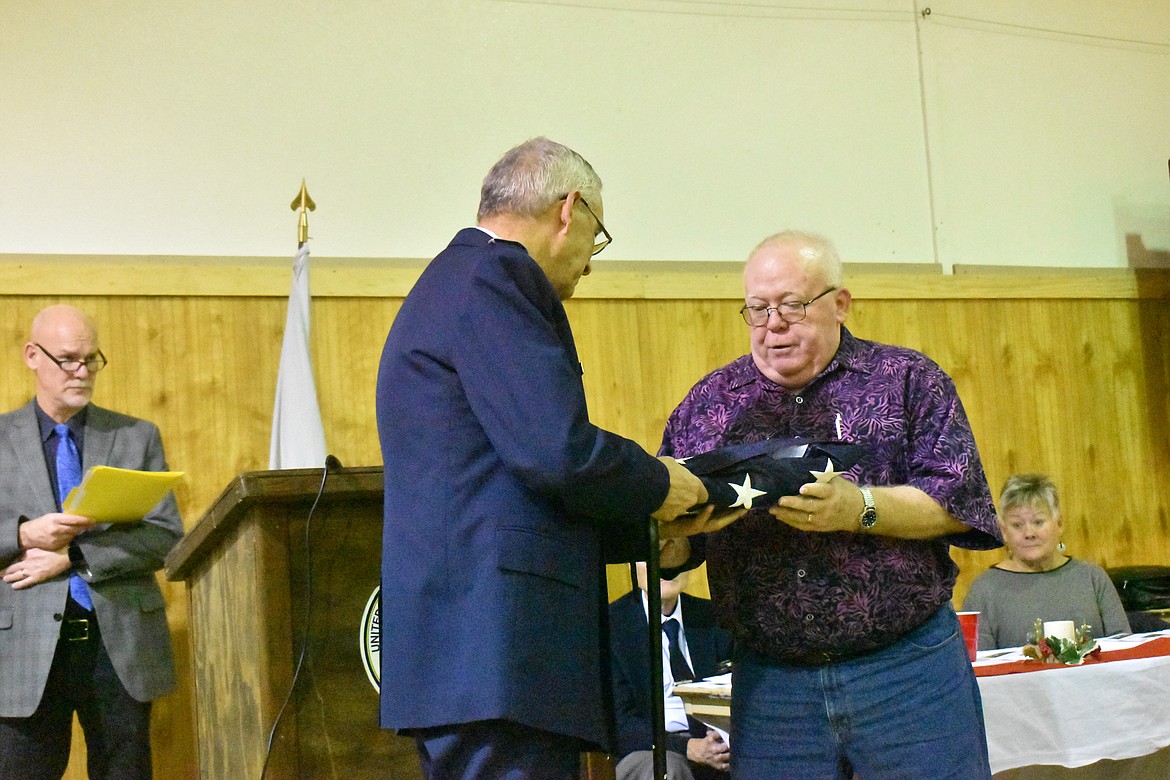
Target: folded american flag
x=742, y=475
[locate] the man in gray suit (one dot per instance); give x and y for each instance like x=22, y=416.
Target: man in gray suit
x=83, y=624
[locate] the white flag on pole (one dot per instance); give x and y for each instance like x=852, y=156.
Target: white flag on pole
x=298, y=437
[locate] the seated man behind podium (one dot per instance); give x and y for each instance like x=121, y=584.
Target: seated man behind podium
x=83, y=625
x=694, y=750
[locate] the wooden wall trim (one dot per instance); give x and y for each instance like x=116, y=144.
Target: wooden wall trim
x=151, y=275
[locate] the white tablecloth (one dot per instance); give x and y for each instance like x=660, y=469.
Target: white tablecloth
x=1077, y=715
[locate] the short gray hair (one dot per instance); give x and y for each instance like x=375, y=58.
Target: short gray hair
x=1031, y=490
x=534, y=175
x=815, y=248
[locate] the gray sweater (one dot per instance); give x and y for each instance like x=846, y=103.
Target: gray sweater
x=1009, y=602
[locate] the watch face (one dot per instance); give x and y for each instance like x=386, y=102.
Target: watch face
x=868, y=516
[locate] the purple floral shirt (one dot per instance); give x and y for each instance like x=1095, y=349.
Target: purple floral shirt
x=791, y=595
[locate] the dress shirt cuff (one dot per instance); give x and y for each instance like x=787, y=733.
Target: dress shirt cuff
x=676, y=742
x=19, y=522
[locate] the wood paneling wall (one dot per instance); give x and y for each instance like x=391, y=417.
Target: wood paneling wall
x=1062, y=374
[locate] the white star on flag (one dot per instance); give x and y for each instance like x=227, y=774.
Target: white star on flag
x=745, y=492
x=828, y=474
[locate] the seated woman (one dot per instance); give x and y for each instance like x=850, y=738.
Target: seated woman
x=1037, y=580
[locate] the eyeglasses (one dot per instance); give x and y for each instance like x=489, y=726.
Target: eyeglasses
x=597, y=247
x=789, y=311
x=94, y=362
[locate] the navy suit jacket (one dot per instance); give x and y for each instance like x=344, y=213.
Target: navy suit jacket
x=629, y=652
x=502, y=503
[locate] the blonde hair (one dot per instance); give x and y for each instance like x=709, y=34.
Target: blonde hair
x=1032, y=490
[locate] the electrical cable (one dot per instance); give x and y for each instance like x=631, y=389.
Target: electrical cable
x=331, y=464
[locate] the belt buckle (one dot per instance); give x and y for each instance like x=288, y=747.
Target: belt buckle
x=81, y=626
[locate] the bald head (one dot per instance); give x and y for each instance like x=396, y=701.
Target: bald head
x=58, y=318
x=60, y=334
x=812, y=250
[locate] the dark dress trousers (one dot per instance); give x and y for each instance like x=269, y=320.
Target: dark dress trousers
x=629, y=652
x=503, y=502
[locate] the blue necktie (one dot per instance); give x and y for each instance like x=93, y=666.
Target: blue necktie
x=680, y=670
x=69, y=477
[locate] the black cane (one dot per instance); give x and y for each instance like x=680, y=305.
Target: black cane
x=654, y=628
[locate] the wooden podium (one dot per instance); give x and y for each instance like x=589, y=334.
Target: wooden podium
x=258, y=580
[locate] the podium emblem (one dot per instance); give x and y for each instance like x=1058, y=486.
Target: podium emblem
x=370, y=639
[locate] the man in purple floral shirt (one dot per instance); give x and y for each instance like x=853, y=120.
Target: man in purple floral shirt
x=850, y=657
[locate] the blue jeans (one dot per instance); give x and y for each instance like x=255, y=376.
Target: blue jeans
x=910, y=710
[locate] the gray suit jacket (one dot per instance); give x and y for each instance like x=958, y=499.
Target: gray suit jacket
x=122, y=559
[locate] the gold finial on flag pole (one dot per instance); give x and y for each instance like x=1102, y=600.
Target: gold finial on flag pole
x=302, y=202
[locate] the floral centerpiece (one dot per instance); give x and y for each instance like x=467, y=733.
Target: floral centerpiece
x=1056, y=650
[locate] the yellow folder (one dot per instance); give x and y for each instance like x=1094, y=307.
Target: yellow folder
x=113, y=495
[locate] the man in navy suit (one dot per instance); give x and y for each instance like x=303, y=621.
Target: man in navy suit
x=694, y=749
x=503, y=501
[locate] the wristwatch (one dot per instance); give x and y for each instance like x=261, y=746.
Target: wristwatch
x=868, y=516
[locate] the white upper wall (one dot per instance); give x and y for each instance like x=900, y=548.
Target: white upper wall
x=989, y=131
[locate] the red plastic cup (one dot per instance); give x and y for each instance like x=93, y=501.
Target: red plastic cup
x=969, y=622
